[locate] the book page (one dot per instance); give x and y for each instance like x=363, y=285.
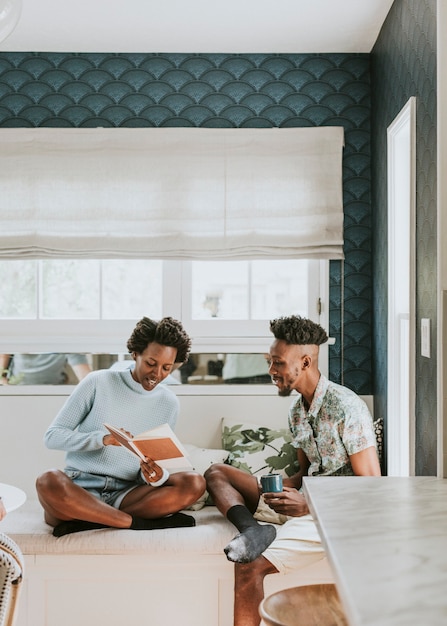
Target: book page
x=125, y=441
x=163, y=445
x=159, y=444
x=159, y=448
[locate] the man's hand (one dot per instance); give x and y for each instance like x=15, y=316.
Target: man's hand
x=151, y=471
x=287, y=502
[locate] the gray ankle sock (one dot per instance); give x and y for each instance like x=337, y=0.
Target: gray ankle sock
x=251, y=543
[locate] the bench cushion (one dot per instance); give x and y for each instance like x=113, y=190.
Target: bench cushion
x=27, y=528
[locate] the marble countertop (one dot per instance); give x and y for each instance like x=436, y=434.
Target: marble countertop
x=386, y=539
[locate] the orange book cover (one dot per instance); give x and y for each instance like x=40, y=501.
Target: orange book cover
x=160, y=444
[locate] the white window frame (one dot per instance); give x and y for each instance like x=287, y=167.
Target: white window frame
x=110, y=336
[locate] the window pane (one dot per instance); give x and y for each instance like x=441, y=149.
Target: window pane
x=249, y=290
x=18, y=290
x=230, y=301
x=70, y=289
x=279, y=288
x=220, y=290
x=132, y=289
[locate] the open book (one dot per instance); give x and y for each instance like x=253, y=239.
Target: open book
x=160, y=444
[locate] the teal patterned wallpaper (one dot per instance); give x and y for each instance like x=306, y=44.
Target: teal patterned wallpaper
x=403, y=64
x=226, y=90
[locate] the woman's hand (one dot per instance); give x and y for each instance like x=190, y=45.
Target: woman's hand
x=109, y=440
x=151, y=471
x=287, y=502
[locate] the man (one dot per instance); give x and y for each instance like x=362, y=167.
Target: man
x=333, y=433
x=103, y=484
x=41, y=369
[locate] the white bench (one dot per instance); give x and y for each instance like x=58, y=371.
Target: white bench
x=177, y=577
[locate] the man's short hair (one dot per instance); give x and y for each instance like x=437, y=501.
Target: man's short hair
x=298, y=330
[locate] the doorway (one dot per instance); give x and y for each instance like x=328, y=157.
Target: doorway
x=401, y=152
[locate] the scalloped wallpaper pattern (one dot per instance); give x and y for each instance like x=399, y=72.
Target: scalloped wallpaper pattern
x=403, y=64
x=224, y=90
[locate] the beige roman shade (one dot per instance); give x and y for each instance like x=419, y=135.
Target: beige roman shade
x=171, y=193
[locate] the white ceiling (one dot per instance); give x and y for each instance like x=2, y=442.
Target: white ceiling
x=233, y=26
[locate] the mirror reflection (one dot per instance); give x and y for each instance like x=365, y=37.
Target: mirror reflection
x=68, y=369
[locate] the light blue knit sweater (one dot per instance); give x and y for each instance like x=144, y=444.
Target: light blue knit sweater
x=113, y=397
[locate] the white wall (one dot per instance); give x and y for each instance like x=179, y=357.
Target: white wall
x=24, y=419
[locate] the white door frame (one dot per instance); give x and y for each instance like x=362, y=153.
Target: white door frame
x=401, y=149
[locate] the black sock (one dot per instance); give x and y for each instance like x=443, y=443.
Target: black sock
x=176, y=520
x=171, y=521
x=75, y=526
x=250, y=543
x=241, y=517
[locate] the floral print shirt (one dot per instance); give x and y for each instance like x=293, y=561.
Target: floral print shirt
x=337, y=424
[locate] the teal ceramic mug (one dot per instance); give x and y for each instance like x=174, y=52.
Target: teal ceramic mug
x=271, y=483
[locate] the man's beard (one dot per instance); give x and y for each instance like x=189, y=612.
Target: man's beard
x=285, y=392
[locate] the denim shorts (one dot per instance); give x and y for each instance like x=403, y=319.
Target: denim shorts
x=106, y=488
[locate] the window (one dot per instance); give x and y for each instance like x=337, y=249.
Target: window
x=236, y=194
x=92, y=305
x=57, y=289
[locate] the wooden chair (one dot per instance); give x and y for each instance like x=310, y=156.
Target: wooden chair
x=310, y=605
x=11, y=575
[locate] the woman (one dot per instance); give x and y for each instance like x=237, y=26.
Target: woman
x=103, y=485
